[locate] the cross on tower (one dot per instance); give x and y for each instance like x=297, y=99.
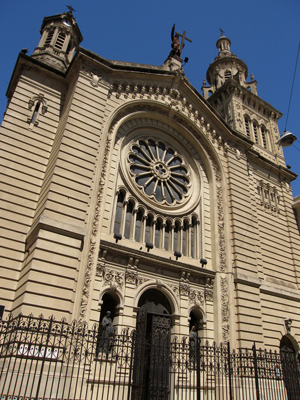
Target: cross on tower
x=71, y=9
x=183, y=39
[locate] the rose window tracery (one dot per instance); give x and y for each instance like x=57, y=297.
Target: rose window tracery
x=159, y=171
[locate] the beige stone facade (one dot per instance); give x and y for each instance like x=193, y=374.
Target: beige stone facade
x=119, y=182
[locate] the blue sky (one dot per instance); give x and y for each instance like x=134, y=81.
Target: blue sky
x=263, y=33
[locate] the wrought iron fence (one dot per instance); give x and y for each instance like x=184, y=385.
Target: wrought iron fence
x=46, y=359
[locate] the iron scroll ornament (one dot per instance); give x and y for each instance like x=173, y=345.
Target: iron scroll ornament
x=159, y=171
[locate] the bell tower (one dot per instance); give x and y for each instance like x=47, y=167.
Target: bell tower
x=60, y=37
x=236, y=100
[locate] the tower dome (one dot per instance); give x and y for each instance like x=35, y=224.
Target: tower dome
x=226, y=66
x=60, y=36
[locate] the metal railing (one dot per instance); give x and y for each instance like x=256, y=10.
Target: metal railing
x=46, y=359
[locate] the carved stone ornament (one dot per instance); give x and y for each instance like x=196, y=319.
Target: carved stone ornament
x=225, y=308
x=87, y=281
x=141, y=280
x=208, y=290
x=170, y=97
x=100, y=269
x=110, y=276
x=184, y=289
x=196, y=297
x=175, y=290
x=131, y=276
x=95, y=227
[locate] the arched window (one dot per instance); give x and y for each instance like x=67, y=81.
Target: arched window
x=247, y=126
x=38, y=105
x=128, y=220
x=158, y=227
x=60, y=40
x=176, y=239
x=255, y=131
x=185, y=238
x=118, y=216
x=167, y=235
x=148, y=229
x=193, y=237
x=134, y=222
x=138, y=225
x=49, y=38
x=35, y=112
x=263, y=136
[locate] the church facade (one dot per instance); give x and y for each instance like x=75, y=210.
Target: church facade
x=125, y=190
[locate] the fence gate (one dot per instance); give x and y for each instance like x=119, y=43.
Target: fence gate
x=151, y=357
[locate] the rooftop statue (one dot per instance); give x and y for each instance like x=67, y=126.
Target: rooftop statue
x=176, y=45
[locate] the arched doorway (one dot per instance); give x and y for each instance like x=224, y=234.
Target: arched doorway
x=152, y=347
x=290, y=368
x=106, y=331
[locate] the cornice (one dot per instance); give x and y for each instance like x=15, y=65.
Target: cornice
x=268, y=164
x=148, y=258
x=26, y=62
x=233, y=88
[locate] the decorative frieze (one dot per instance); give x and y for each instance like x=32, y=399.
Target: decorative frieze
x=87, y=280
x=110, y=276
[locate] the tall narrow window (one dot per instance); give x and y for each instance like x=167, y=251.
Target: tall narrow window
x=247, y=126
x=138, y=225
x=35, y=112
x=193, y=238
x=157, y=233
x=176, y=246
x=128, y=221
x=49, y=38
x=227, y=75
x=263, y=136
x=184, y=238
x=60, y=40
x=118, y=217
x=167, y=235
x=255, y=131
x=148, y=237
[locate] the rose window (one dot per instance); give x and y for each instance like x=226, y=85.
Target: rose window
x=159, y=171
